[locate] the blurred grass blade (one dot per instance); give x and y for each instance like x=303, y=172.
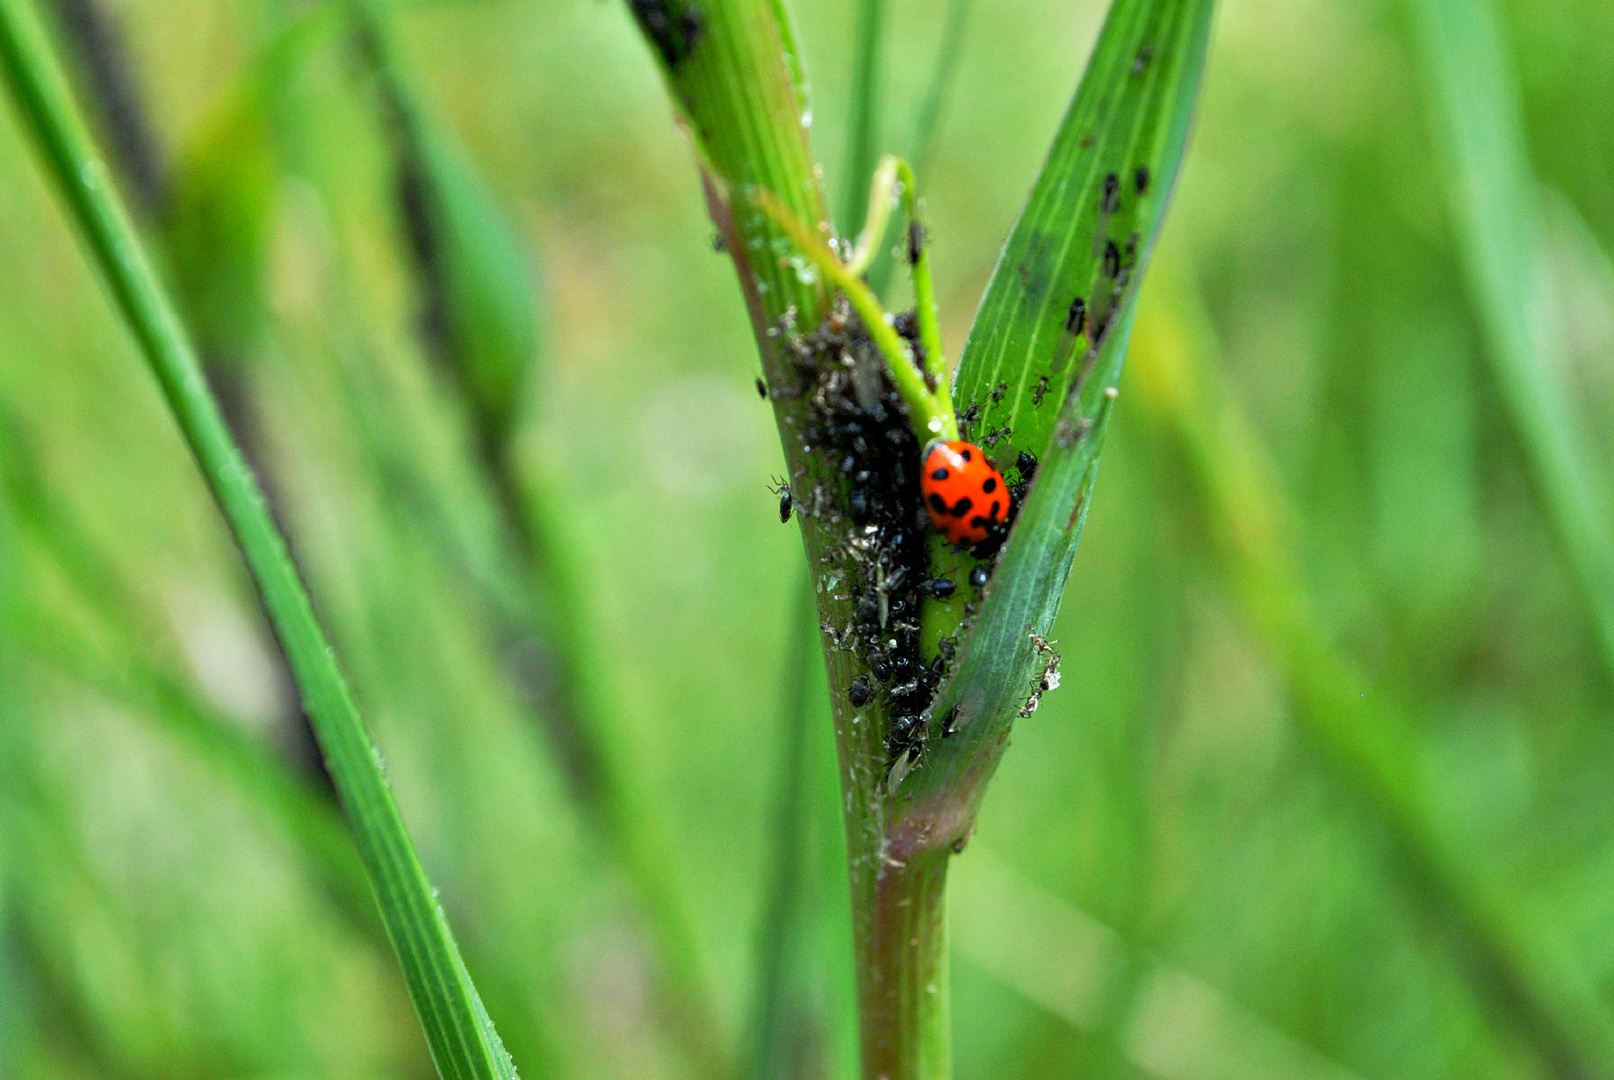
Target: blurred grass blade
x=478, y=290
x=1496, y=204
x=928, y=120
x=1176, y=1027
x=781, y=1014
x=863, y=114
x=1085, y=232
x=463, y=1043
x=1517, y=963
x=926, y=123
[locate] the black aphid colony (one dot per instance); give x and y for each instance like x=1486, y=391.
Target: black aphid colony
x=854, y=418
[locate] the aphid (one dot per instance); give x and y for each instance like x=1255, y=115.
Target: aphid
x=965, y=495
x=1140, y=179
x=1038, y=391
x=1076, y=316
x=1112, y=259
x=1112, y=194
x=786, y=501
x=998, y=391
x=1027, y=464
x=860, y=693
x=980, y=576
x=916, y=242
x=720, y=243
x=762, y=389
x=938, y=588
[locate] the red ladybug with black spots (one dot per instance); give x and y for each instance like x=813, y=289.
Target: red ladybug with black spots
x=967, y=498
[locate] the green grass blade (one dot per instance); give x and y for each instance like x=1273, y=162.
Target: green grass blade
x=478, y=288
x=1130, y=113
x=934, y=103
x=863, y=114
x=1496, y=203
x=458, y=1031
x=776, y=1012
x=927, y=122
x=1517, y=964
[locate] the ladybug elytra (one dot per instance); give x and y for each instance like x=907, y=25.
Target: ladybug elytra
x=965, y=495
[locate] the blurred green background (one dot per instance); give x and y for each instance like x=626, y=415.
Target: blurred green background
x=1168, y=879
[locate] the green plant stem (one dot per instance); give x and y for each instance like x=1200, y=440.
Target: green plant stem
x=738, y=91
x=458, y=1031
x=903, y=987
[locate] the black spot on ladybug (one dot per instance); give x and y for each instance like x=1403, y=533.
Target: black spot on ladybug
x=938, y=504
x=1112, y=259
x=961, y=507
x=966, y=455
x=1076, y=316
x=860, y=693
x=990, y=485
x=997, y=509
x=916, y=242
x=1112, y=194
x=939, y=474
x=980, y=522
x=1140, y=179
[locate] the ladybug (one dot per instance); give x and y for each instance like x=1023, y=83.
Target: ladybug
x=965, y=495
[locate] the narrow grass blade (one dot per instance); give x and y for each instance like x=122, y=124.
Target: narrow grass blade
x=1496, y=204
x=458, y=1031
x=1518, y=965
x=478, y=289
x=863, y=113
x=780, y=1016
x=1033, y=379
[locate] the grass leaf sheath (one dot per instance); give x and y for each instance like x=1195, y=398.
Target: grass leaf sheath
x=463, y=1044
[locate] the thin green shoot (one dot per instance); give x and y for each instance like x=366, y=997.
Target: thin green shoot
x=925, y=392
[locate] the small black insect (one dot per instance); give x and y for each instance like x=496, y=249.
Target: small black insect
x=970, y=415
x=1112, y=259
x=860, y=693
x=762, y=389
x=1140, y=179
x=906, y=324
x=938, y=588
x=1039, y=391
x=786, y=500
x=980, y=576
x=1112, y=194
x=1027, y=464
x=1076, y=316
x=916, y=242
x=998, y=391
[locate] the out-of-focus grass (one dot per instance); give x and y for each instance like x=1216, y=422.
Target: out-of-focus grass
x=1160, y=789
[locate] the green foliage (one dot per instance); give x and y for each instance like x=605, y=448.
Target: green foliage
x=464, y=1044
